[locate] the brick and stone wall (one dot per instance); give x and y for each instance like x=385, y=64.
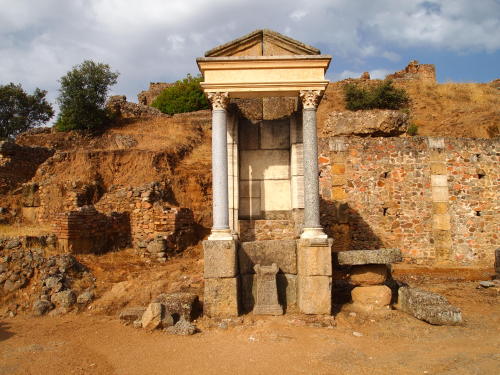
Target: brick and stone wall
x=436, y=199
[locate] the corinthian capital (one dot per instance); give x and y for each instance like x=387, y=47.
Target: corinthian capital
x=219, y=100
x=310, y=98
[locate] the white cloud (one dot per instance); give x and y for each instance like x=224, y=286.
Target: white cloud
x=158, y=40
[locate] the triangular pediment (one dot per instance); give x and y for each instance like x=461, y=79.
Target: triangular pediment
x=262, y=43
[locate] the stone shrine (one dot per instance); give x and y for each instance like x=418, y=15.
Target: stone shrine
x=265, y=89
x=267, y=293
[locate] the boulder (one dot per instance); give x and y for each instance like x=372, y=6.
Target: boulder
x=184, y=305
x=427, y=306
x=361, y=257
x=152, y=317
x=65, y=299
x=370, y=274
x=374, y=123
x=131, y=314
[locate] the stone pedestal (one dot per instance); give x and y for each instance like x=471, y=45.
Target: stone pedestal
x=314, y=266
x=267, y=292
x=221, y=278
x=370, y=298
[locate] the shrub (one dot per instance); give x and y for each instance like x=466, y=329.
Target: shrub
x=20, y=111
x=82, y=97
x=412, y=129
x=185, y=95
x=381, y=96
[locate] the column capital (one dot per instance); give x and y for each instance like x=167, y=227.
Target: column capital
x=310, y=98
x=219, y=100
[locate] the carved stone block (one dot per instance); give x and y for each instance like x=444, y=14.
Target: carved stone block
x=266, y=291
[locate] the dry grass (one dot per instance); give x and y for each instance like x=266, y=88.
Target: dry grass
x=24, y=230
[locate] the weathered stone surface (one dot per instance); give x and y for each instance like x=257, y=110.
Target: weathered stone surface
x=314, y=260
x=373, y=123
x=220, y=259
x=377, y=296
x=314, y=294
x=182, y=327
x=85, y=297
x=427, y=306
x=54, y=283
x=281, y=252
x=66, y=298
x=167, y=320
x=152, y=317
x=41, y=307
x=184, y=305
x=221, y=297
x=266, y=301
x=287, y=291
x=371, y=274
x=131, y=314
x=360, y=257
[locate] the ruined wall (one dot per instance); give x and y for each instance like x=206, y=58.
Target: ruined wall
x=415, y=71
x=435, y=199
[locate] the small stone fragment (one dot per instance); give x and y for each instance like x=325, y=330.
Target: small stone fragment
x=182, y=327
x=167, y=320
x=54, y=283
x=487, y=284
x=137, y=324
x=357, y=334
x=41, y=307
x=427, y=306
x=85, y=297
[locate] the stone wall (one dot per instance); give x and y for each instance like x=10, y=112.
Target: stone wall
x=18, y=164
x=435, y=199
x=155, y=88
x=415, y=71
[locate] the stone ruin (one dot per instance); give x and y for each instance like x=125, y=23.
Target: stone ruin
x=155, y=88
x=416, y=71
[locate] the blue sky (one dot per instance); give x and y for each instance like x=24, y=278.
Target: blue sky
x=158, y=40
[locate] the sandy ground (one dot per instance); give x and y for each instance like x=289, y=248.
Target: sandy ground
x=392, y=344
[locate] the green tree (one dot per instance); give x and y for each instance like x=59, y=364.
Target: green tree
x=20, y=111
x=185, y=95
x=82, y=97
x=380, y=96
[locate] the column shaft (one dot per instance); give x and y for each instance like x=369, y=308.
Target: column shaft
x=219, y=170
x=311, y=172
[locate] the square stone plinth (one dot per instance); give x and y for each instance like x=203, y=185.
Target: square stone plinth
x=221, y=297
x=315, y=294
x=314, y=260
x=220, y=259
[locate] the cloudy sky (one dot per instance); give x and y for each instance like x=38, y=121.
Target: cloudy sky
x=158, y=40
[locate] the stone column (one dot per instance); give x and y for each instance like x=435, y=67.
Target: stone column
x=220, y=229
x=312, y=226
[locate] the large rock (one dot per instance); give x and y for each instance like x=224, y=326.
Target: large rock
x=360, y=257
x=370, y=274
x=427, y=306
x=281, y=252
x=184, y=305
x=41, y=307
x=66, y=298
x=152, y=317
x=374, y=123
x=131, y=314
x=377, y=296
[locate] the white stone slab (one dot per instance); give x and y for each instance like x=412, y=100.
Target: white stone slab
x=440, y=194
x=297, y=188
x=297, y=159
x=232, y=159
x=275, y=195
x=439, y=180
x=264, y=164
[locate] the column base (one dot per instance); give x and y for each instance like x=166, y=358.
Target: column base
x=221, y=234
x=314, y=233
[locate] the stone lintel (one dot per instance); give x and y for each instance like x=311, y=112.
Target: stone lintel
x=360, y=257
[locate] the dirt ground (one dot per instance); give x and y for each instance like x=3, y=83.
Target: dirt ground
x=395, y=343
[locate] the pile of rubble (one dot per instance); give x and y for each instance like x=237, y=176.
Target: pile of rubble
x=174, y=313
x=57, y=284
